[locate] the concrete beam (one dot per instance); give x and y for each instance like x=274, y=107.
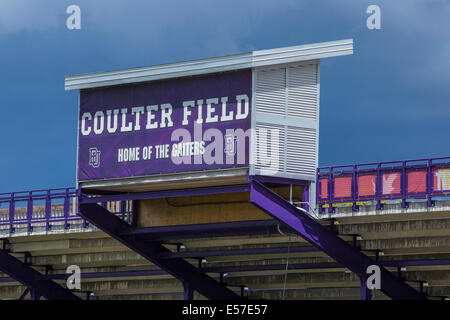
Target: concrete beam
x=392, y=212
x=409, y=245
x=398, y=229
x=68, y=246
x=91, y=259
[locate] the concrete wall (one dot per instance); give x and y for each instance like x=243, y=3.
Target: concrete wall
x=205, y=209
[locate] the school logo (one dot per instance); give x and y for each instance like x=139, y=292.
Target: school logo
x=230, y=145
x=94, y=157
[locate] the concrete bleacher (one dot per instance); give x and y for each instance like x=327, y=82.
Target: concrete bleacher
x=115, y=272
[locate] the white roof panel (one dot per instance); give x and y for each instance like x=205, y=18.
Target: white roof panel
x=219, y=64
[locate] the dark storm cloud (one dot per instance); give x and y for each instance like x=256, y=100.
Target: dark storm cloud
x=387, y=101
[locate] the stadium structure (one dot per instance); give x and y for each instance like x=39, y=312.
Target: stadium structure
x=200, y=180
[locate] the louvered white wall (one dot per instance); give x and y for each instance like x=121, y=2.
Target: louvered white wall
x=286, y=117
x=302, y=91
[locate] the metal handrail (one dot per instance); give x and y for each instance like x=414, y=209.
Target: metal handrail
x=402, y=169
x=60, y=207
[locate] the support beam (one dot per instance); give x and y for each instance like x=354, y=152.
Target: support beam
x=278, y=180
x=29, y=277
x=273, y=267
x=188, y=292
x=35, y=294
x=328, y=242
x=206, y=230
x=169, y=193
x=179, y=268
x=365, y=293
x=237, y=252
x=242, y=268
x=24, y=294
x=305, y=197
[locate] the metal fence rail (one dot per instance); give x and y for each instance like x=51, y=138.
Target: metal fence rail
x=404, y=180
x=49, y=208
x=356, y=185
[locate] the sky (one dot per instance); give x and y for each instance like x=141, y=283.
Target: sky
x=388, y=101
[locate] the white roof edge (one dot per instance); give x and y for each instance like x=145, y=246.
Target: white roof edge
x=219, y=64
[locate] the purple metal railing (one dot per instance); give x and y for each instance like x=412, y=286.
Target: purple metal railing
x=403, y=180
x=48, y=208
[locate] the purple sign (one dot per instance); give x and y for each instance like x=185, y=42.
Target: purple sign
x=166, y=126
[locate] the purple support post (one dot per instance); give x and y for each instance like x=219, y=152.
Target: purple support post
x=12, y=211
x=365, y=293
x=66, y=209
x=330, y=191
x=305, y=198
x=379, y=187
x=355, y=188
x=79, y=197
x=134, y=213
x=123, y=209
x=34, y=294
x=30, y=212
x=430, y=181
x=326, y=240
x=318, y=193
x=188, y=292
x=48, y=211
x=179, y=268
x=404, y=185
